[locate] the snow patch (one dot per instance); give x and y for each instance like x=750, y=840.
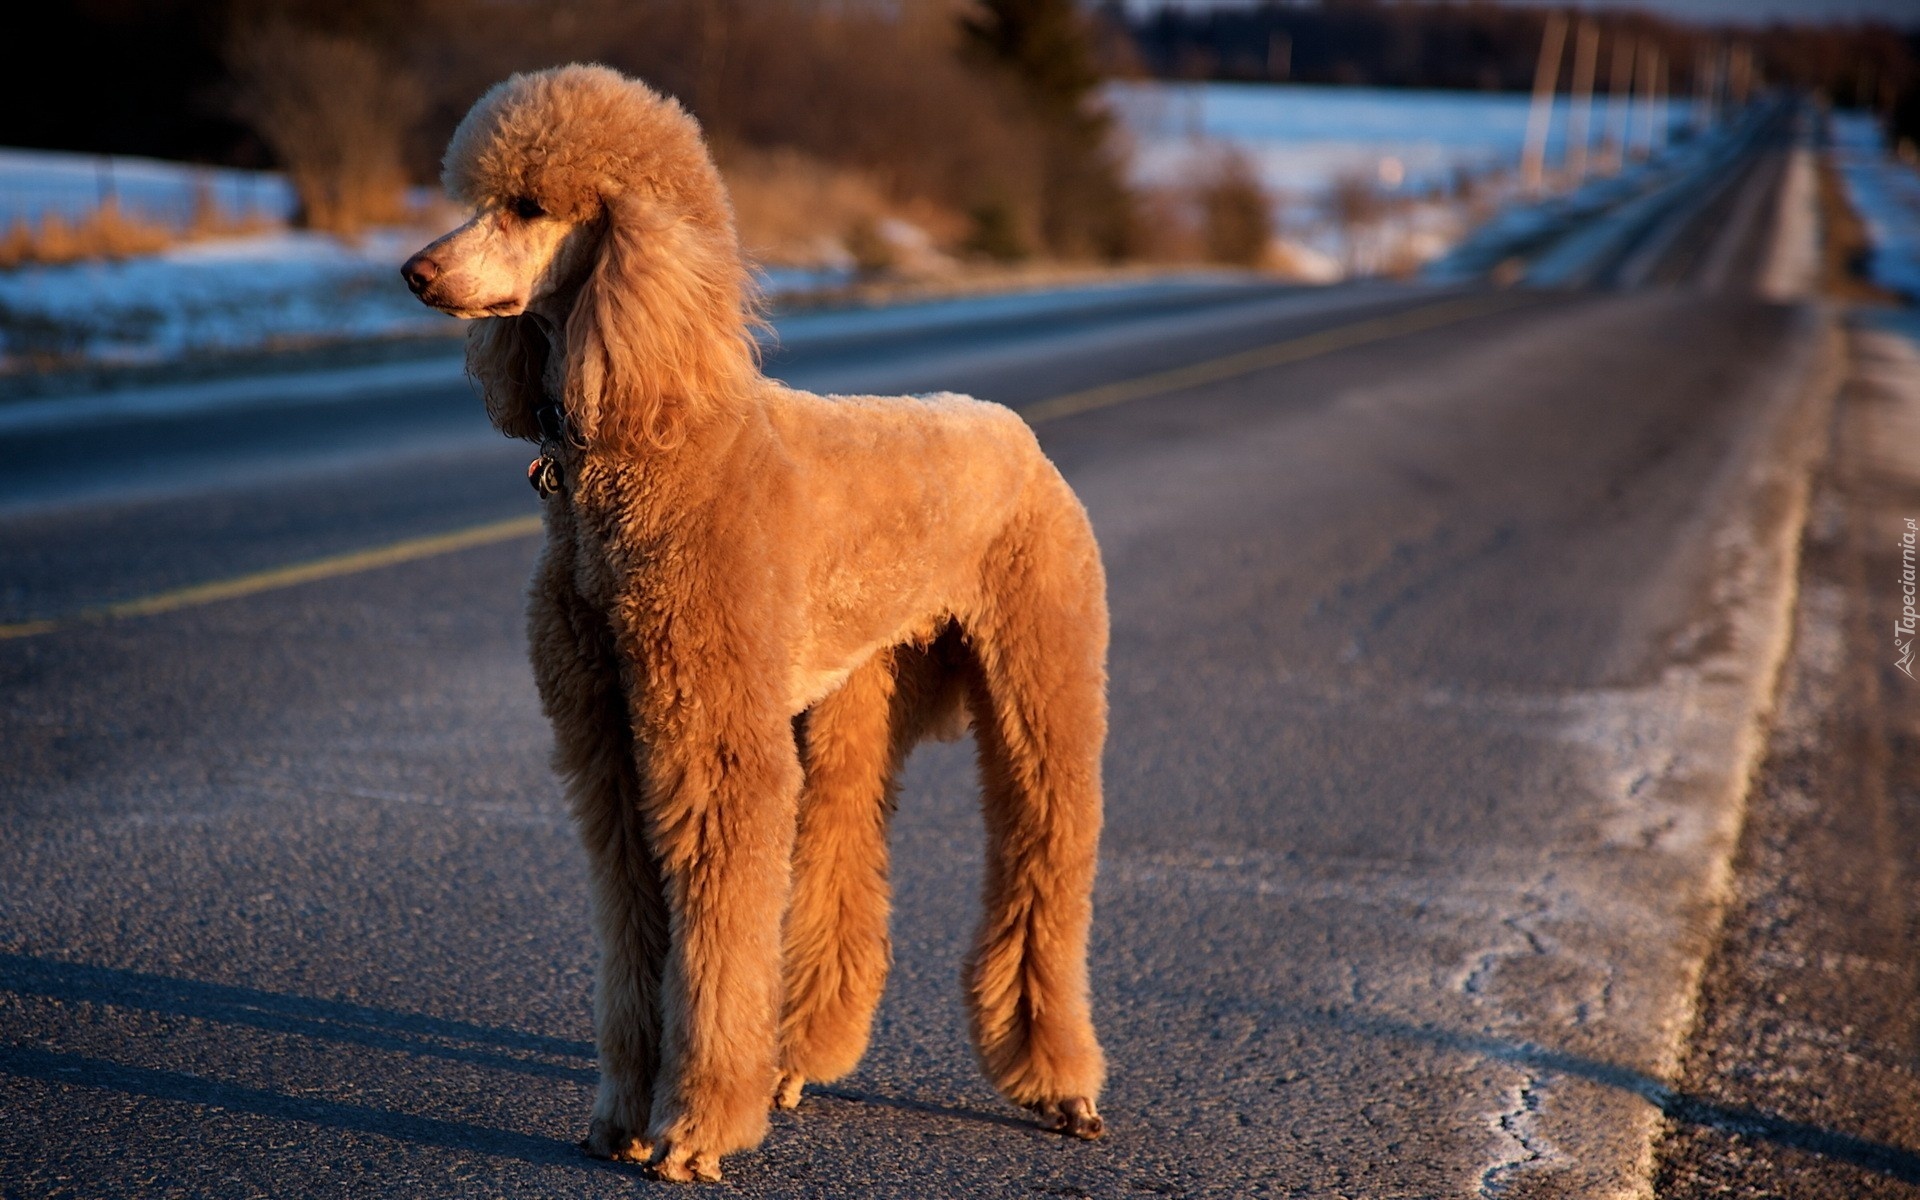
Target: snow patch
x=1886, y=194
x=1793, y=264
x=1437, y=162
x=35, y=184
x=276, y=288
x=1302, y=138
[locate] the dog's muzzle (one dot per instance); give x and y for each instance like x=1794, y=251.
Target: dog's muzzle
x=419, y=272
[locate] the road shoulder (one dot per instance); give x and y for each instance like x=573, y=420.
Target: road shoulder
x=1799, y=1076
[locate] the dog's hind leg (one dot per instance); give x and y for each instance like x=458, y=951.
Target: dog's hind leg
x=837, y=946
x=580, y=688
x=837, y=951
x=1038, y=694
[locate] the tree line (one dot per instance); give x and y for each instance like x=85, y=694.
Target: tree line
x=982, y=109
x=1490, y=47
x=984, y=113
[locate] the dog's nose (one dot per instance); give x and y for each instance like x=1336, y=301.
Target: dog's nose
x=419, y=271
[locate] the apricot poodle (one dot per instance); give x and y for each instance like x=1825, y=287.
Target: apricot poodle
x=752, y=603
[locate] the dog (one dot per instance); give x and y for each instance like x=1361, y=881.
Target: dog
x=752, y=602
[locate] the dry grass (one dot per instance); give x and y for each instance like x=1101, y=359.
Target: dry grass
x=795, y=210
x=1169, y=225
x=1222, y=215
x=336, y=112
x=1845, y=247
x=1236, y=213
x=110, y=232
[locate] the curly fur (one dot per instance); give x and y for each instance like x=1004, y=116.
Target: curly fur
x=752, y=603
x=667, y=312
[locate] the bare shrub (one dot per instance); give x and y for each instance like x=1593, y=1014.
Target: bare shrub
x=337, y=115
x=794, y=209
x=1357, y=207
x=17, y=246
x=872, y=253
x=1167, y=226
x=110, y=232
x=207, y=217
x=106, y=232
x=880, y=89
x=1236, y=213
x=1000, y=233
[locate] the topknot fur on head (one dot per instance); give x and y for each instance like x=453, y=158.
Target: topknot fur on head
x=571, y=137
x=660, y=334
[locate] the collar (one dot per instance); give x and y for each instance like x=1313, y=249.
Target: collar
x=552, y=420
x=545, y=473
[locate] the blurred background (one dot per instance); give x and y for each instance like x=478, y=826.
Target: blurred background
x=220, y=176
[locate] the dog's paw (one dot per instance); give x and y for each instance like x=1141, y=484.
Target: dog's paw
x=607, y=1140
x=1075, y=1116
x=677, y=1164
x=786, y=1093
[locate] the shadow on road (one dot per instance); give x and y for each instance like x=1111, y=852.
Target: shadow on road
x=1891, y=1161
x=54, y=1067
x=411, y=1033
x=331, y=1020
x=904, y=1104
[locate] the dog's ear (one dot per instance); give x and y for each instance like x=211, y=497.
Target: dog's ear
x=661, y=334
x=507, y=357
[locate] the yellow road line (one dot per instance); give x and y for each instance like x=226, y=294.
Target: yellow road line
x=290, y=576
x=1232, y=366
x=1278, y=354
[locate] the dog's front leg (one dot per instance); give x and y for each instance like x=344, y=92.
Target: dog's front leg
x=722, y=800
x=576, y=669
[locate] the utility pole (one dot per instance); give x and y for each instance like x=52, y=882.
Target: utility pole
x=1643, y=76
x=1741, y=71
x=1279, y=56
x=1658, y=140
x=1546, y=77
x=1619, y=103
x=1704, y=62
x=1580, y=124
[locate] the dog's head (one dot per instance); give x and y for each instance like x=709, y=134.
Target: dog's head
x=597, y=211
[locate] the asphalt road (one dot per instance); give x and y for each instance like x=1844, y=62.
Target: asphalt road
x=1439, y=620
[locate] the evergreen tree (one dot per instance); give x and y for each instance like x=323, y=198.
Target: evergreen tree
x=1045, y=48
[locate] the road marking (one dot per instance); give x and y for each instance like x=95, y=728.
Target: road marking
x=1232, y=366
x=1277, y=354
x=289, y=576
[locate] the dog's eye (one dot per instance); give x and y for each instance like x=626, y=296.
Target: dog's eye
x=527, y=208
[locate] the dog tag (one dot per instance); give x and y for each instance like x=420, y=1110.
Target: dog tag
x=544, y=474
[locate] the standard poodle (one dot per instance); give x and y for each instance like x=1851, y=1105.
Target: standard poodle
x=751, y=605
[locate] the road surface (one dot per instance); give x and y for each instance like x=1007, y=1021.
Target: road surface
x=1441, y=617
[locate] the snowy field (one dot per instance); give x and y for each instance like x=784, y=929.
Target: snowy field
x=1413, y=149
x=37, y=183
x=272, y=288
x=1303, y=138
x=278, y=288
x=282, y=287
x=294, y=288
x=1886, y=194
